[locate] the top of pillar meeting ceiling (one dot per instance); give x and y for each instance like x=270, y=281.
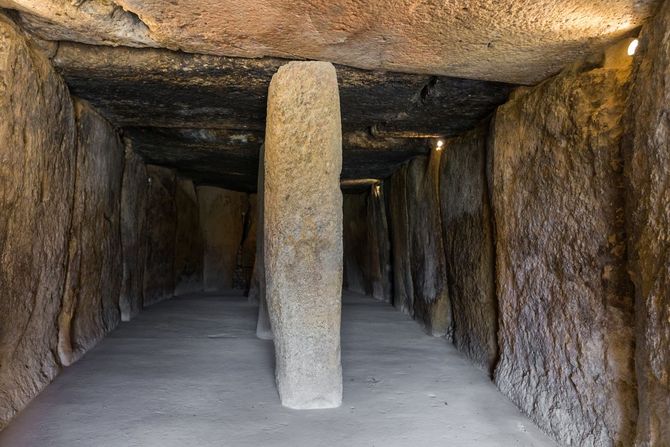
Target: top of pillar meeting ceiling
x=516, y=41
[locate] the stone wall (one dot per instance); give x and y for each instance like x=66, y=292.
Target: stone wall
x=647, y=167
x=189, y=244
x=133, y=234
x=37, y=174
x=566, y=307
x=222, y=222
x=161, y=222
x=419, y=267
x=468, y=240
x=90, y=305
x=354, y=230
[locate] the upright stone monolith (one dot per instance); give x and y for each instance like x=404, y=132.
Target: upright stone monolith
x=303, y=232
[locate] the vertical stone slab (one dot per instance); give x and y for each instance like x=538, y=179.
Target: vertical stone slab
x=468, y=241
x=161, y=221
x=432, y=307
x=90, y=306
x=303, y=232
x=263, y=325
x=133, y=234
x=248, y=251
x=38, y=155
x=189, y=246
x=355, y=260
x=378, y=246
x=403, y=290
x=647, y=166
x=221, y=220
x=565, y=304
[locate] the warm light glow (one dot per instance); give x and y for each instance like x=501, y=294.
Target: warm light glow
x=632, y=48
x=378, y=190
x=440, y=143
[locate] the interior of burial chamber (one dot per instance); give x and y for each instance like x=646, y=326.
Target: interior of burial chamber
x=218, y=224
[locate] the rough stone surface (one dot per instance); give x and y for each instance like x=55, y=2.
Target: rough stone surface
x=512, y=40
x=378, y=246
x=354, y=213
x=431, y=307
x=648, y=209
x=90, y=307
x=161, y=221
x=566, y=306
x=189, y=245
x=303, y=233
x=205, y=115
x=38, y=154
x=468, y=242
x=403, y=291
x=134, y=234
x=263, y=324
x=222, y=223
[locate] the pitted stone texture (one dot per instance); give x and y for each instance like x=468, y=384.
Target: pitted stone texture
x=566, y=307
x=37, y=172
x=134, y=234
x=189, y=247
x=468, y=241
x=303, y=233
x=258, y=290
x=520, y=41
x=648, y=180
x=221, y=220
x=161, y=221
x=90, y=307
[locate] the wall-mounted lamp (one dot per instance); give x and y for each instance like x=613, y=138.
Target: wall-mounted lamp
x=632, y=48
x=439, y=145
x=378, y=190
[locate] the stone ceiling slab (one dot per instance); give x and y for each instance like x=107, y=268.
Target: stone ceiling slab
x=206, y=114
x=514, y=41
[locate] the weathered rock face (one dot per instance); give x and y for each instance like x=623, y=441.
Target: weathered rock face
x=403, y=290
x=379, y=246
x=303, y=233
x=133, y=234
x=354, y=211
x=189, y=246
x=161, y=222
x=468, y=241
x=427, y=260
x=647, y=162
x=263, y=325
x=511, y=40
x=566, y=308
x=222, y=223
x=37, y=172
x=90, y=306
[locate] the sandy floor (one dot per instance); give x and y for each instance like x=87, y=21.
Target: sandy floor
x=190, y=372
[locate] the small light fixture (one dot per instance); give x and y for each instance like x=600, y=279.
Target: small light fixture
x=439, y=145
x=632, y=48
x=378, y=190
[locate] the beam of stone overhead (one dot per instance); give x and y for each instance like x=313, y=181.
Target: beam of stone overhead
x=135, y=87
x=205, y=115
x=516, y=41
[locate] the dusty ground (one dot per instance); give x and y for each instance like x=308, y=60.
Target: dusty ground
x=190, y=372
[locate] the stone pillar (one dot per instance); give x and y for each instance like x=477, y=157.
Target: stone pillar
x=303, y=232
x=263, y=327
